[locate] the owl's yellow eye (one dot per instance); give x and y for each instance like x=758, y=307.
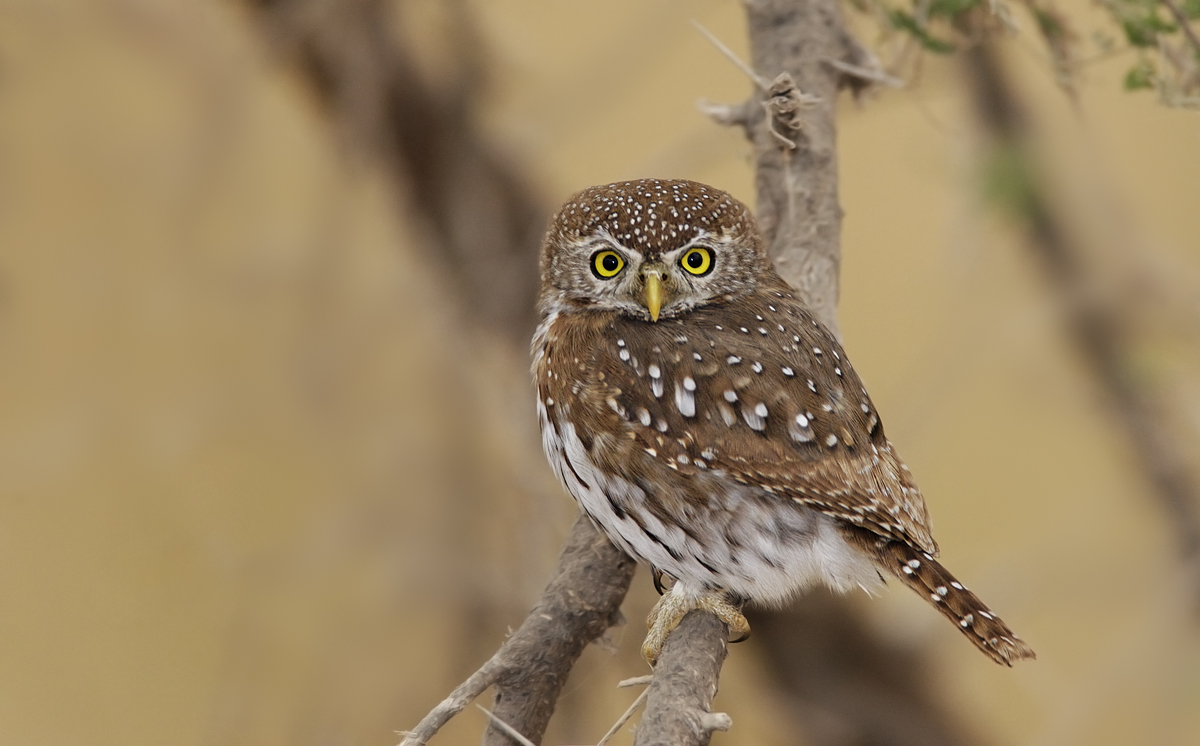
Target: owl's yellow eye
x=697, y=261
x=607, y=263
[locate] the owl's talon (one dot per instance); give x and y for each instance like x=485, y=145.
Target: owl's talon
x=673, y=607
x=659, y=585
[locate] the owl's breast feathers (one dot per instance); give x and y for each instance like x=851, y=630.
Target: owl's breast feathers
x=754, y=391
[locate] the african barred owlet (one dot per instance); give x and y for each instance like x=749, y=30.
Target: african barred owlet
x=710, y=426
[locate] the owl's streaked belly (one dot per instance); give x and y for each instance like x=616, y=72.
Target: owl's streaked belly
x=744, y=540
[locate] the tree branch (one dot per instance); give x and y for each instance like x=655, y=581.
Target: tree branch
x=1182, y=19
x=581, y=601
x=484, y=218
x=685, y=682
x=797, y=206
x=798, y=212
x=841, y=677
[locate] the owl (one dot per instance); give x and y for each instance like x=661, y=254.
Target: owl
x=711, y=427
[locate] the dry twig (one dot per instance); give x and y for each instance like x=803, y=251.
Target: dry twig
x=582, y=600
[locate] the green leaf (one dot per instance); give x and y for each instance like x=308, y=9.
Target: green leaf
x=1143, y=31
x=1049, y=24
x=905, y=22
x=1140, y=76
x=951, y=8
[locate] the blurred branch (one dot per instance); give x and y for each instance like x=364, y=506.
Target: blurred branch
x=846, y=684
x=485, y=219
x=1182, y=19
x=529, y=670
x=1094, y=320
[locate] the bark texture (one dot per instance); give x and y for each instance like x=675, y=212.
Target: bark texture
x=685, y=682
x=797, y=189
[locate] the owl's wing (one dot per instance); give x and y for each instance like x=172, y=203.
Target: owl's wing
x=764, y=394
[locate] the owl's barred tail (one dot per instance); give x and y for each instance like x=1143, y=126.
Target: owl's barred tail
x=936, y=585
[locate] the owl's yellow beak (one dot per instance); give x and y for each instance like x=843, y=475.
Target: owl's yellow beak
x=654, y=292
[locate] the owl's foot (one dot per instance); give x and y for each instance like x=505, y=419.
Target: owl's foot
x=673, y=607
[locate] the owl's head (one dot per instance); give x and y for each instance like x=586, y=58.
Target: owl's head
x=649, y=249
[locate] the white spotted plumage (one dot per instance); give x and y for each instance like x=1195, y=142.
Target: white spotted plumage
x=722, y=437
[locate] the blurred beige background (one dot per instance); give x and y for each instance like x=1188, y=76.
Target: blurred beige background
x=258, y=479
